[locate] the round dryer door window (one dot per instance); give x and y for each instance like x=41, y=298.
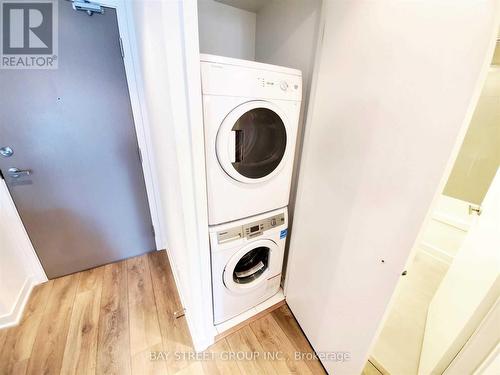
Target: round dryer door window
x=249, y=267
x=252, y=141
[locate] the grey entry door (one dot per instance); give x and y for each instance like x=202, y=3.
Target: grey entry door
x=84, y=203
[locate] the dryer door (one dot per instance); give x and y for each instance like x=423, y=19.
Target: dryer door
x=252, y=142
x=249, y=267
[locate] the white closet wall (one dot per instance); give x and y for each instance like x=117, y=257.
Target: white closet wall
x=286, y=34
x=226, y=30
x=394, y=86
x=20, y=269
x=165, y=49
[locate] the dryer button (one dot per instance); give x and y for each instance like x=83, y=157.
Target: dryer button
x=284, y=85
x=273, y=222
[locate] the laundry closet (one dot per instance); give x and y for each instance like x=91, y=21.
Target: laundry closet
x=382, y=109
x=283, y=33
x=291, y=149
x=256, y=65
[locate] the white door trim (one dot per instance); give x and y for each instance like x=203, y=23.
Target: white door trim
x=138, y=104
x=201, y=317
x=18, y=247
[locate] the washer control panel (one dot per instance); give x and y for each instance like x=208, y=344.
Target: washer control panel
x=250, y=230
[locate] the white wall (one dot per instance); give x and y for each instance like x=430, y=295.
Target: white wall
x=479, y=155
x=282, y=27
x=20, y=269
x=167, y=57
x=226, y=30
x=392, y=91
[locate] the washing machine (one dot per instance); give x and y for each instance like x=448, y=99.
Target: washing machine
x=251, y=114
x=247, y=259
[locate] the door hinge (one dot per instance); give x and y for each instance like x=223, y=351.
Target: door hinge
x=1, y=175
x=87, y=7
x=121, y=48
x=153, y=230
x=139, y=152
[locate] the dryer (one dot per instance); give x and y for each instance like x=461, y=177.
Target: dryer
x=251, y=113
x=247, y=259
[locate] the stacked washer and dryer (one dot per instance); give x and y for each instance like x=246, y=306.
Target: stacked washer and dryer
x=251, y=113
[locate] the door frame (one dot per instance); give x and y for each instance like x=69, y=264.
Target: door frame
x=138, y=105
x=141, y=126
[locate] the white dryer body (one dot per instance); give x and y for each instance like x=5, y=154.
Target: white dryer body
x=251, y=113
x=247, y=260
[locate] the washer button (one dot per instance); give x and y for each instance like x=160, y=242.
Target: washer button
x=273, y=222
x=284, y=85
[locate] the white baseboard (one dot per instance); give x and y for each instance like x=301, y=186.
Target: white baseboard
x=454, y=212
x=14, y=316
x=223, y=327
x=452, y=220
x=436, y=252
x=449, y=224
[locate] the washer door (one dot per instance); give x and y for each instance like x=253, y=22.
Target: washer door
x=252, y=142
x=249, y=267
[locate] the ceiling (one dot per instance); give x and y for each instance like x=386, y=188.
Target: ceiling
x=250, y=5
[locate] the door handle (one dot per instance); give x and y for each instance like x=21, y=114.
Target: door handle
x=232, y=146
x=251, y=271
x=16, y=172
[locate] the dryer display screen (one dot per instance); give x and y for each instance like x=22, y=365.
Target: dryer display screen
x=254, y=229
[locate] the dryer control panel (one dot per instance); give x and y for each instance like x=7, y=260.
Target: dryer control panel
x=250, y=230
x=233, y=77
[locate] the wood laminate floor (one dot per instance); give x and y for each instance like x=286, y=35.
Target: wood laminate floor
x=119, y=319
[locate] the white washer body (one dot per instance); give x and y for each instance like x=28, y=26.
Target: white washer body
x=247, y=259
x=251, y=113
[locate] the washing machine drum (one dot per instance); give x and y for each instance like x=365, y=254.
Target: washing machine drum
x=249, y=267
x=252, y=141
